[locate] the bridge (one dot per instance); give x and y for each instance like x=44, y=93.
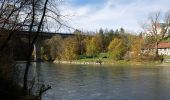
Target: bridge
x=19, y=43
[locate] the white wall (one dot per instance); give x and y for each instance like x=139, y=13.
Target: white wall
x=165, y=51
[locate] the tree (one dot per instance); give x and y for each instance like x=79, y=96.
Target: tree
x=99, y=41
x=117, y=49
x=70, y=49
x=136, y=49
x=129, y=38
x=95, y=44
x=92, y=48
x=31, y=16
x=31, y=43
x=101, y=31
x=108, y=38
x=53, y=47
x=10, y=18
x=117, y=32
x=80, y=40
x=122, y=31
x=157, y=30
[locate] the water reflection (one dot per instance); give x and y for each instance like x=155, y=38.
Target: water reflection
x=85, y=82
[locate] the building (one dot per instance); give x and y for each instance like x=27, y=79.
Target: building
x=163, y=48
x=159, y=26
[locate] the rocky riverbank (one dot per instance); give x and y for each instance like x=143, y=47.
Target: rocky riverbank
x=76, y=62
x=124, y=63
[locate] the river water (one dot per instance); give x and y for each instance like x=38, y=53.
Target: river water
x=95, y=82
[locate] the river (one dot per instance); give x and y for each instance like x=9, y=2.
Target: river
x=95, y=82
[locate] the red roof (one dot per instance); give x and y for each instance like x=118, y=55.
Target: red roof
x=161, y=45
x=164, y=45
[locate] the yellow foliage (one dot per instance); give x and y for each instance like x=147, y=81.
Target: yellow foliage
x=116, y=49
x=136, y=49
x=70, y=49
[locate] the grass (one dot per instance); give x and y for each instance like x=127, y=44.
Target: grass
x=108, y=61
x=166, y=57
x=87, y=59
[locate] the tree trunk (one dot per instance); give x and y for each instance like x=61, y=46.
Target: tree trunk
x=156, y=50
x=31, y=47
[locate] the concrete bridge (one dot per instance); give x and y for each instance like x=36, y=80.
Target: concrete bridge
x=19, y=41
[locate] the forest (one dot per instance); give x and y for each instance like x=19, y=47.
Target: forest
x=105, y=45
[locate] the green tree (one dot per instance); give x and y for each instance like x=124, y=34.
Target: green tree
x=122, y=31
x=117, y=32
x=117, y=49
x=101, y=31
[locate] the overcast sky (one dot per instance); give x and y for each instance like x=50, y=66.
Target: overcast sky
x=112, y=14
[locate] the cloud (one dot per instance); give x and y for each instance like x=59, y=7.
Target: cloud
x=113, y=14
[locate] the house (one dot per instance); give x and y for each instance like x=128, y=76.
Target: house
x=163, y=48
x=159, y=26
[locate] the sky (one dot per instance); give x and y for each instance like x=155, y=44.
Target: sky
x=91, y=15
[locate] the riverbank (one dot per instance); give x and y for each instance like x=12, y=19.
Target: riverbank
x=77, y=62
x=164, y=64
x=120, y=63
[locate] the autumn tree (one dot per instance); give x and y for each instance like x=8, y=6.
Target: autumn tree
x=92, y=49
x=81, y=41
x=135, y=50
x=108, y=38
x=53, y=48
x=117, y=49
x=70, y=46
x=99, y=41
x=129, y=38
